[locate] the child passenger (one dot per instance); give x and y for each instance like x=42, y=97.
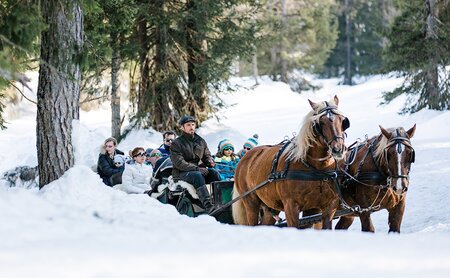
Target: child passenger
x=248, y=145
x=226, y=160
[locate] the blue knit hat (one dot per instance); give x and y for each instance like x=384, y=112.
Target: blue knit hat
x=225, y=143
x=252, y=141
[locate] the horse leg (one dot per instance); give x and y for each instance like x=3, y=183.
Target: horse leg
x=396, y=216
x=327, y=219
x=267, y=217
x=291, y=209
x=366, y=222
x=344, y=222
x=252, y=205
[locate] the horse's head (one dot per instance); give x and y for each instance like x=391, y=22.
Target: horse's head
x=329, y=126
x=398, y=154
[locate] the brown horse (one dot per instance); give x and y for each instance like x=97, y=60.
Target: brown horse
x=315, y=150
x=378, y=178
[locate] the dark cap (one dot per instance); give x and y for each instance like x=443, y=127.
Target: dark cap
x=186, y=119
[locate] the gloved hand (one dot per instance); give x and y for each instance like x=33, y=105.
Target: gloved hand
x=211, y=163
x=204, y=171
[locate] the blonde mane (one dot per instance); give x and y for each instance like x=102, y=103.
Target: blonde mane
x=383, y=143
x=305, y=139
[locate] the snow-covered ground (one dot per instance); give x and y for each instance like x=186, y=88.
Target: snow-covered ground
x=77, y=227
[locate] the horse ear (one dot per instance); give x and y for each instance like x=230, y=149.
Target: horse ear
x=411, y=131
x=336, y=100
x=313, y=105
x=386, y=133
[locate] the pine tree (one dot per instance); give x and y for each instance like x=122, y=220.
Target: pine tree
x=294, y=35
x=358, y=50
x=59, y=87
x=186, y=51
x=20, y=26
x=419, y=51
x=108, y=34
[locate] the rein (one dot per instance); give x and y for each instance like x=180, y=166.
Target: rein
x=377, y=177
x=314, y=175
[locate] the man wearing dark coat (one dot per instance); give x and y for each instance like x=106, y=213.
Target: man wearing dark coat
x=192, y=161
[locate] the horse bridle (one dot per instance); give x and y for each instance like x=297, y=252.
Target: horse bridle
x=398, y=140
x=330, y=111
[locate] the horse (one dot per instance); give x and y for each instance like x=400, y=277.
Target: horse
x=378, y=177
x=313, y=153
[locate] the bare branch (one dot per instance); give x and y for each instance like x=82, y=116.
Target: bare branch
x=20, y=91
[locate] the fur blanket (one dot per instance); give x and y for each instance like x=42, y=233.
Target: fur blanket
x=173, y=186
x=22, y=176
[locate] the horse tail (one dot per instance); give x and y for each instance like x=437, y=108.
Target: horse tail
x=238, y=210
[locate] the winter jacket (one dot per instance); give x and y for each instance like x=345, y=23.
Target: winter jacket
x=106, y=167
x=226, y=166
x=164, y=149
x=188, y=152
x=136, y=178
x=240, y=153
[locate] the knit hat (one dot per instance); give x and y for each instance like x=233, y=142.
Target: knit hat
x=148, y=152
x=225, y=143
x=118, y=158
x=252, y=141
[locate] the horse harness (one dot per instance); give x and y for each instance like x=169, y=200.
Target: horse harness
x=311, y=175
x=378, y=177
x=330, y=111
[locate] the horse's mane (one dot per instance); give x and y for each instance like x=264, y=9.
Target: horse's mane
x=305, y=139
x=382, y=143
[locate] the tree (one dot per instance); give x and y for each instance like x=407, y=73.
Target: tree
x=294, y=35
x=186, y=51
x=20, y=26
x=59, y=86
x=419, y=51
x=358, y=50
x=108, y=30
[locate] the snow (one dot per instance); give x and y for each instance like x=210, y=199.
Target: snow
x=78, y=227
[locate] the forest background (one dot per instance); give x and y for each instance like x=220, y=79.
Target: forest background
x=178, y=55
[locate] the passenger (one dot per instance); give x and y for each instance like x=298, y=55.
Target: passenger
x=162, y=170
x=105, y=165
x=136, y=177
x=248, y=145
x=147, y=156
x=155, y=155
x=192, y=161
x=168, y=138
x=226, y=160
x=119, y=162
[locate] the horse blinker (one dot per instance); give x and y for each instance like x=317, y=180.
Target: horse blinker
x=345, y=123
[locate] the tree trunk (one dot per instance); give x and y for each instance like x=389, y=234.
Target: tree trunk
x=115, y=93
x=348, y=44
x=432, y=77
x=274, y=62
x=199, y=107
x=144, y=63
x=162, y=115
x=255, y=65
x=59, y=87
x=284, y=69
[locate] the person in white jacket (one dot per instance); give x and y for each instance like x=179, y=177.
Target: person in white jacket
x=136, y=177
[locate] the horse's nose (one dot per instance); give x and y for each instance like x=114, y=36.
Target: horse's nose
x=338, y=151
